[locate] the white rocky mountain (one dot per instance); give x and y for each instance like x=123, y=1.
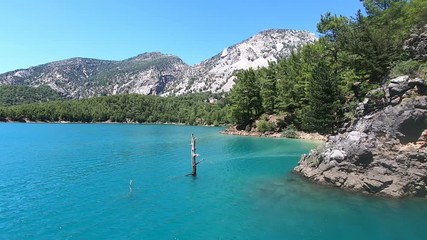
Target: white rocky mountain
x=217, y=73
x=157, y=73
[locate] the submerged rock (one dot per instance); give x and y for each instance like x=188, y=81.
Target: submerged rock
x=383, y=152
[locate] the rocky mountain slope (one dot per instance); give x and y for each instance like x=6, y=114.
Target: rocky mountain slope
x=383, y=152
x=147, y=73
x=216, y=73
x=157, y=73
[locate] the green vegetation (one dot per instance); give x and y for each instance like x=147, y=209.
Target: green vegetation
x=263, y=125
x=16, y=94
x=410, y=67
x=188, y=109
x=245, y=98
x=289, y=132
x=318, y=86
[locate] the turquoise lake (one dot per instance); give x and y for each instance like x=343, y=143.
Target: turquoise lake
x=71, y=181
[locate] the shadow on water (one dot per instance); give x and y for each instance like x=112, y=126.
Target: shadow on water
x=333, y=212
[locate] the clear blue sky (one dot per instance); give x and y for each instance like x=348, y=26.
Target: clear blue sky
x=34, y=32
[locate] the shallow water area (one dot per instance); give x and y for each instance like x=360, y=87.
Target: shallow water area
x=71, y=181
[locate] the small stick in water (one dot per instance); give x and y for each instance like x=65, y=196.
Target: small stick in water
x=130, y=186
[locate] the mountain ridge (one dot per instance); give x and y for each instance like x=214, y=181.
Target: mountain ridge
x=155, y=73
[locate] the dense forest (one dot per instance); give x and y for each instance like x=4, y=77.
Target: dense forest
x=191, y=109
x=316, y=89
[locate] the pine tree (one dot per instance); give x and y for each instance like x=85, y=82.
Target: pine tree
x=268, y=90
x=322, y=114
x=245, y=99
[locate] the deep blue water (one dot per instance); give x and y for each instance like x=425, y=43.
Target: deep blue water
x=71, y=181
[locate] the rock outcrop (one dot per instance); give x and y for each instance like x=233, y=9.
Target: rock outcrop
x=385, y=151
x=416, y=45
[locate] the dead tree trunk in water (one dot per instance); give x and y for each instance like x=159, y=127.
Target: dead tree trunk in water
x=193, y=155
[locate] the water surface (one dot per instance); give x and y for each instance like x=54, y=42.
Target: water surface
x=71, y=181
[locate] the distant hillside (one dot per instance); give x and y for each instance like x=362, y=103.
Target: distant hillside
x=81, y=77
x=157, y=73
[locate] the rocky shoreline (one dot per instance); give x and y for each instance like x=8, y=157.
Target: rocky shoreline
x=298, y=134
x=384, y=151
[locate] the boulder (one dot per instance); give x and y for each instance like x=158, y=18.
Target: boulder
x=398, y=86
x=337, y=155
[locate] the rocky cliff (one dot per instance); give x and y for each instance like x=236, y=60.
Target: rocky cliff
x=385, y=151
x=159, y=74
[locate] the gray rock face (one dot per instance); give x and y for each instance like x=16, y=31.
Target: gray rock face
x=416, y=45
x=160, y=74
x=384, y=152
